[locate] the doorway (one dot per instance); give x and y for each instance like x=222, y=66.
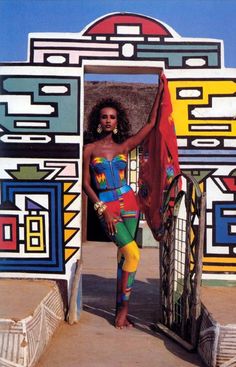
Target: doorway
x=135, y=91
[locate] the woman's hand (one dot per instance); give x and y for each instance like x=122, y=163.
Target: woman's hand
x=110, y=224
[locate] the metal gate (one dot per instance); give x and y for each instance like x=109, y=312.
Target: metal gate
x=181, y=250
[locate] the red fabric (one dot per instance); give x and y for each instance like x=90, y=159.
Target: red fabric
x=158, y=164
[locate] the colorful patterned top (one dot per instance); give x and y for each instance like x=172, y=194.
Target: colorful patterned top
x=109, y=174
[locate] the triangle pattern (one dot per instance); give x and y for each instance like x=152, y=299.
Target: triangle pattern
x=67, y=186
x=32, y=205
x=68, y=216
x=68, y=198
x=69, y=252
x=69, y=233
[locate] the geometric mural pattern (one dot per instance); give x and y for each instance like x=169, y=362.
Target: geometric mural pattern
x=36, y=211
x=206, y=140
x=39, y=111
x=40, y=204
x=41, y=114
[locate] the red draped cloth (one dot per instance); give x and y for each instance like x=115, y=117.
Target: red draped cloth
x=158, y=163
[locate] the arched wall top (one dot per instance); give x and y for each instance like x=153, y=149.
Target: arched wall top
x=122, y=37
x=117, y=24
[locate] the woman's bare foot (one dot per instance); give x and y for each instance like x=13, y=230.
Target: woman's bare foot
x=121, y=319
x=129, y=323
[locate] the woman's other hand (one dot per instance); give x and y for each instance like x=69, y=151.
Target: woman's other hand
x=110, y=224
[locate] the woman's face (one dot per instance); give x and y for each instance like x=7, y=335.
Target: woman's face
x=108, y=119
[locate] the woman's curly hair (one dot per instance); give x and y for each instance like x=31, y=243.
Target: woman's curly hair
x=123, y=125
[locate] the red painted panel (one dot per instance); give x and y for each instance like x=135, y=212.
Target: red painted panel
x=230, y=182
x=8, y=244
x=107, y=26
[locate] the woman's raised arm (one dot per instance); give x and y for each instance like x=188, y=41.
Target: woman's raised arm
x=136, y=139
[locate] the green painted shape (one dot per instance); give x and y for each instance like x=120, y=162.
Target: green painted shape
x=28, y=172
x=198, y=174
x=179, y=47
x=218, y=283
x=176, y=58
x=66, y=117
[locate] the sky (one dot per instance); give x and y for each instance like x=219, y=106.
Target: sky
x=189, y=18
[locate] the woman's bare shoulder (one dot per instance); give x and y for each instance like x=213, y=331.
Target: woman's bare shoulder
x=89, y=146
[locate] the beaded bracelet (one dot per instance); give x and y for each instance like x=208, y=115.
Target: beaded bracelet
x=100, y=207
x=98, y=204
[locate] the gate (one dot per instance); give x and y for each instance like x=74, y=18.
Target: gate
x=181, y=250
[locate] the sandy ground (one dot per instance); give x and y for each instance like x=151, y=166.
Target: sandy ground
x=220, y=302
x=94, y=342
x=20, y=297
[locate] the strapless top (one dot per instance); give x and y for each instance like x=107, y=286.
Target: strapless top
x=109, y=174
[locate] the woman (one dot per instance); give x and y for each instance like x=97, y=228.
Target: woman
x=104, y=181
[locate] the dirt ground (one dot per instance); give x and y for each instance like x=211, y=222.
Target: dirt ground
x=94, y=342
x=220, y=303
x=20, y=297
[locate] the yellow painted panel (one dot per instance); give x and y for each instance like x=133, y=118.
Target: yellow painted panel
x=133, y=175
x=38, y=235
x=221, y=269
x=231, y=260
x=219, y=88
x=133, y=154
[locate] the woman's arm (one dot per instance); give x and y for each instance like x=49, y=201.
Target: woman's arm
x=136, y=139
x=86, y=174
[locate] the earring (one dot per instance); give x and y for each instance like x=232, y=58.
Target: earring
x=99, y=129
x=115, y=131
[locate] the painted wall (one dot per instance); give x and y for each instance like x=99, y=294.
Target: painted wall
x=41, y=114
x=204, y=111
x=40, y=211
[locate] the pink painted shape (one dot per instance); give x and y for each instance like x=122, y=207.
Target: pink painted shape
x=73, y=55
x=38, y=56
x=76, y=44
x=68, y=169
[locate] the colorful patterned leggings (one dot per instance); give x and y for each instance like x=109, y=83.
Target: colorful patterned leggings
x=123, y=206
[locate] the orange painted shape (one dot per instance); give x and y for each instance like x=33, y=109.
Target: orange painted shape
x=68, y=198
x=68, y=216
x=69, y=233
x=69, y=252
